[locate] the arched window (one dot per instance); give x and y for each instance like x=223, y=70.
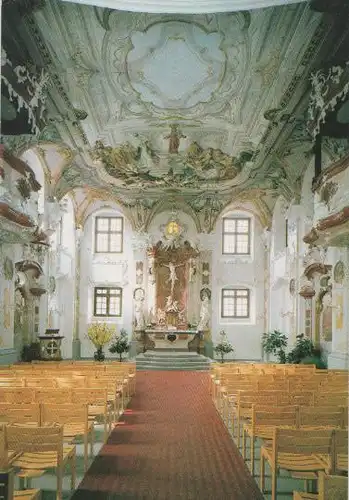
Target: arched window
x=107, y=301
x=236, y=237
x=109, y=234
x=235, y=303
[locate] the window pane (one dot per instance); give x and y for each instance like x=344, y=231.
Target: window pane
x=101, y=305
x=115, y=242
x=114, y=306
x=116, y=224
x=229, y=225
x=102, y=243
x=242, y=243
x=229, y=243
x=102, y=224
x=228, y=306
x=242, y=225
x=241, y=307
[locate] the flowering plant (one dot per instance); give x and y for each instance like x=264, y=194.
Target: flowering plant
x=120, y=343
x=224, y=346
x=100, y=334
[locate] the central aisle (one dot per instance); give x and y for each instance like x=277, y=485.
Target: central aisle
x=170, y=444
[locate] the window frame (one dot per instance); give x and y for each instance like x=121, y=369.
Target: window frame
x=108, y=233
x=236, y=233
x=107, y=295
x=236, y=290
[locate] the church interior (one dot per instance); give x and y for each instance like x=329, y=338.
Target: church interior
x=174, y=249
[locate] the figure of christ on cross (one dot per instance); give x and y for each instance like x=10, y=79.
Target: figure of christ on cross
x=173, y=276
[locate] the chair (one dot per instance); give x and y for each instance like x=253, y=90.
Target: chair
x=74, y=419
x=297, y=450
x=6, y=458
x=330, y=488
x=263, y=422
x=41, y=448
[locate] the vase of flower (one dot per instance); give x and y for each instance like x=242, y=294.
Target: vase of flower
x=99, y=354
x=100, y=334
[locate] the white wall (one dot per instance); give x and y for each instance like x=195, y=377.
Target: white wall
x=105, y=270
x=240, y=271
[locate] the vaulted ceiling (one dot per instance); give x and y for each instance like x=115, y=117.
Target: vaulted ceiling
x=187, y=106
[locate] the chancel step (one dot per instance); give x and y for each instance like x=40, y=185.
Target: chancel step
x=165, y=360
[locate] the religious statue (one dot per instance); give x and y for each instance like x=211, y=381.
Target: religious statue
x=161, y=317
x=151, y=269
x=173, y=276
x=204, y=312
x=139, y=308
x=175, y=136
x=192, y=269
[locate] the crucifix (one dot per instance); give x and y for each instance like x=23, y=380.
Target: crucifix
x=173, y=276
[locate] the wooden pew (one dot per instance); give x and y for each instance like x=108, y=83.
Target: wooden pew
x=297, y=450
x=330, y=488
x=41, y=448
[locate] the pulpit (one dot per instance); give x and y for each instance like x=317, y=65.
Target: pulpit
x=50, y=345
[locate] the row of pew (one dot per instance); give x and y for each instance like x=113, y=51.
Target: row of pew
x=299, y=415
x=46, y=407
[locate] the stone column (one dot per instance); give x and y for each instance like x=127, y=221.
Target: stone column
x=76, y=344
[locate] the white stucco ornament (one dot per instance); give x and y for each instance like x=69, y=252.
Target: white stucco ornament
x=185, y=6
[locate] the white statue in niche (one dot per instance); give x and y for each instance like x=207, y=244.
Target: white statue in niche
x=205, y=295
x=139, y=308
x=192, y=269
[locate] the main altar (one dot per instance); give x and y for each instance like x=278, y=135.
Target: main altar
x=172, y=311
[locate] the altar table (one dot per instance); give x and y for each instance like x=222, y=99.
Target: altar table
x=171, y=339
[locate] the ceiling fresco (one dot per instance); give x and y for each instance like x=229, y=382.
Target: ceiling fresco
x=184, y=107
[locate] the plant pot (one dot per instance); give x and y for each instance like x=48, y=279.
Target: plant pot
x=99, y=354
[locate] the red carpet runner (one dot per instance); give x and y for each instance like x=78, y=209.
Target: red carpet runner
x=171, y=445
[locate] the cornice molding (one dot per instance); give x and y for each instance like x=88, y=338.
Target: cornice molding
x=334, y=169
x=20, y=166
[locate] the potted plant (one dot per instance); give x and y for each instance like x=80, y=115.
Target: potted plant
x=120, y=344
x=100, y=334
x=31, y=352
x=275, y=343
x=305, y=352
x=224, y=346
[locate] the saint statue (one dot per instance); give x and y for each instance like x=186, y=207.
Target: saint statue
x=175, y=136
x=139, y=308
x=204, y=313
